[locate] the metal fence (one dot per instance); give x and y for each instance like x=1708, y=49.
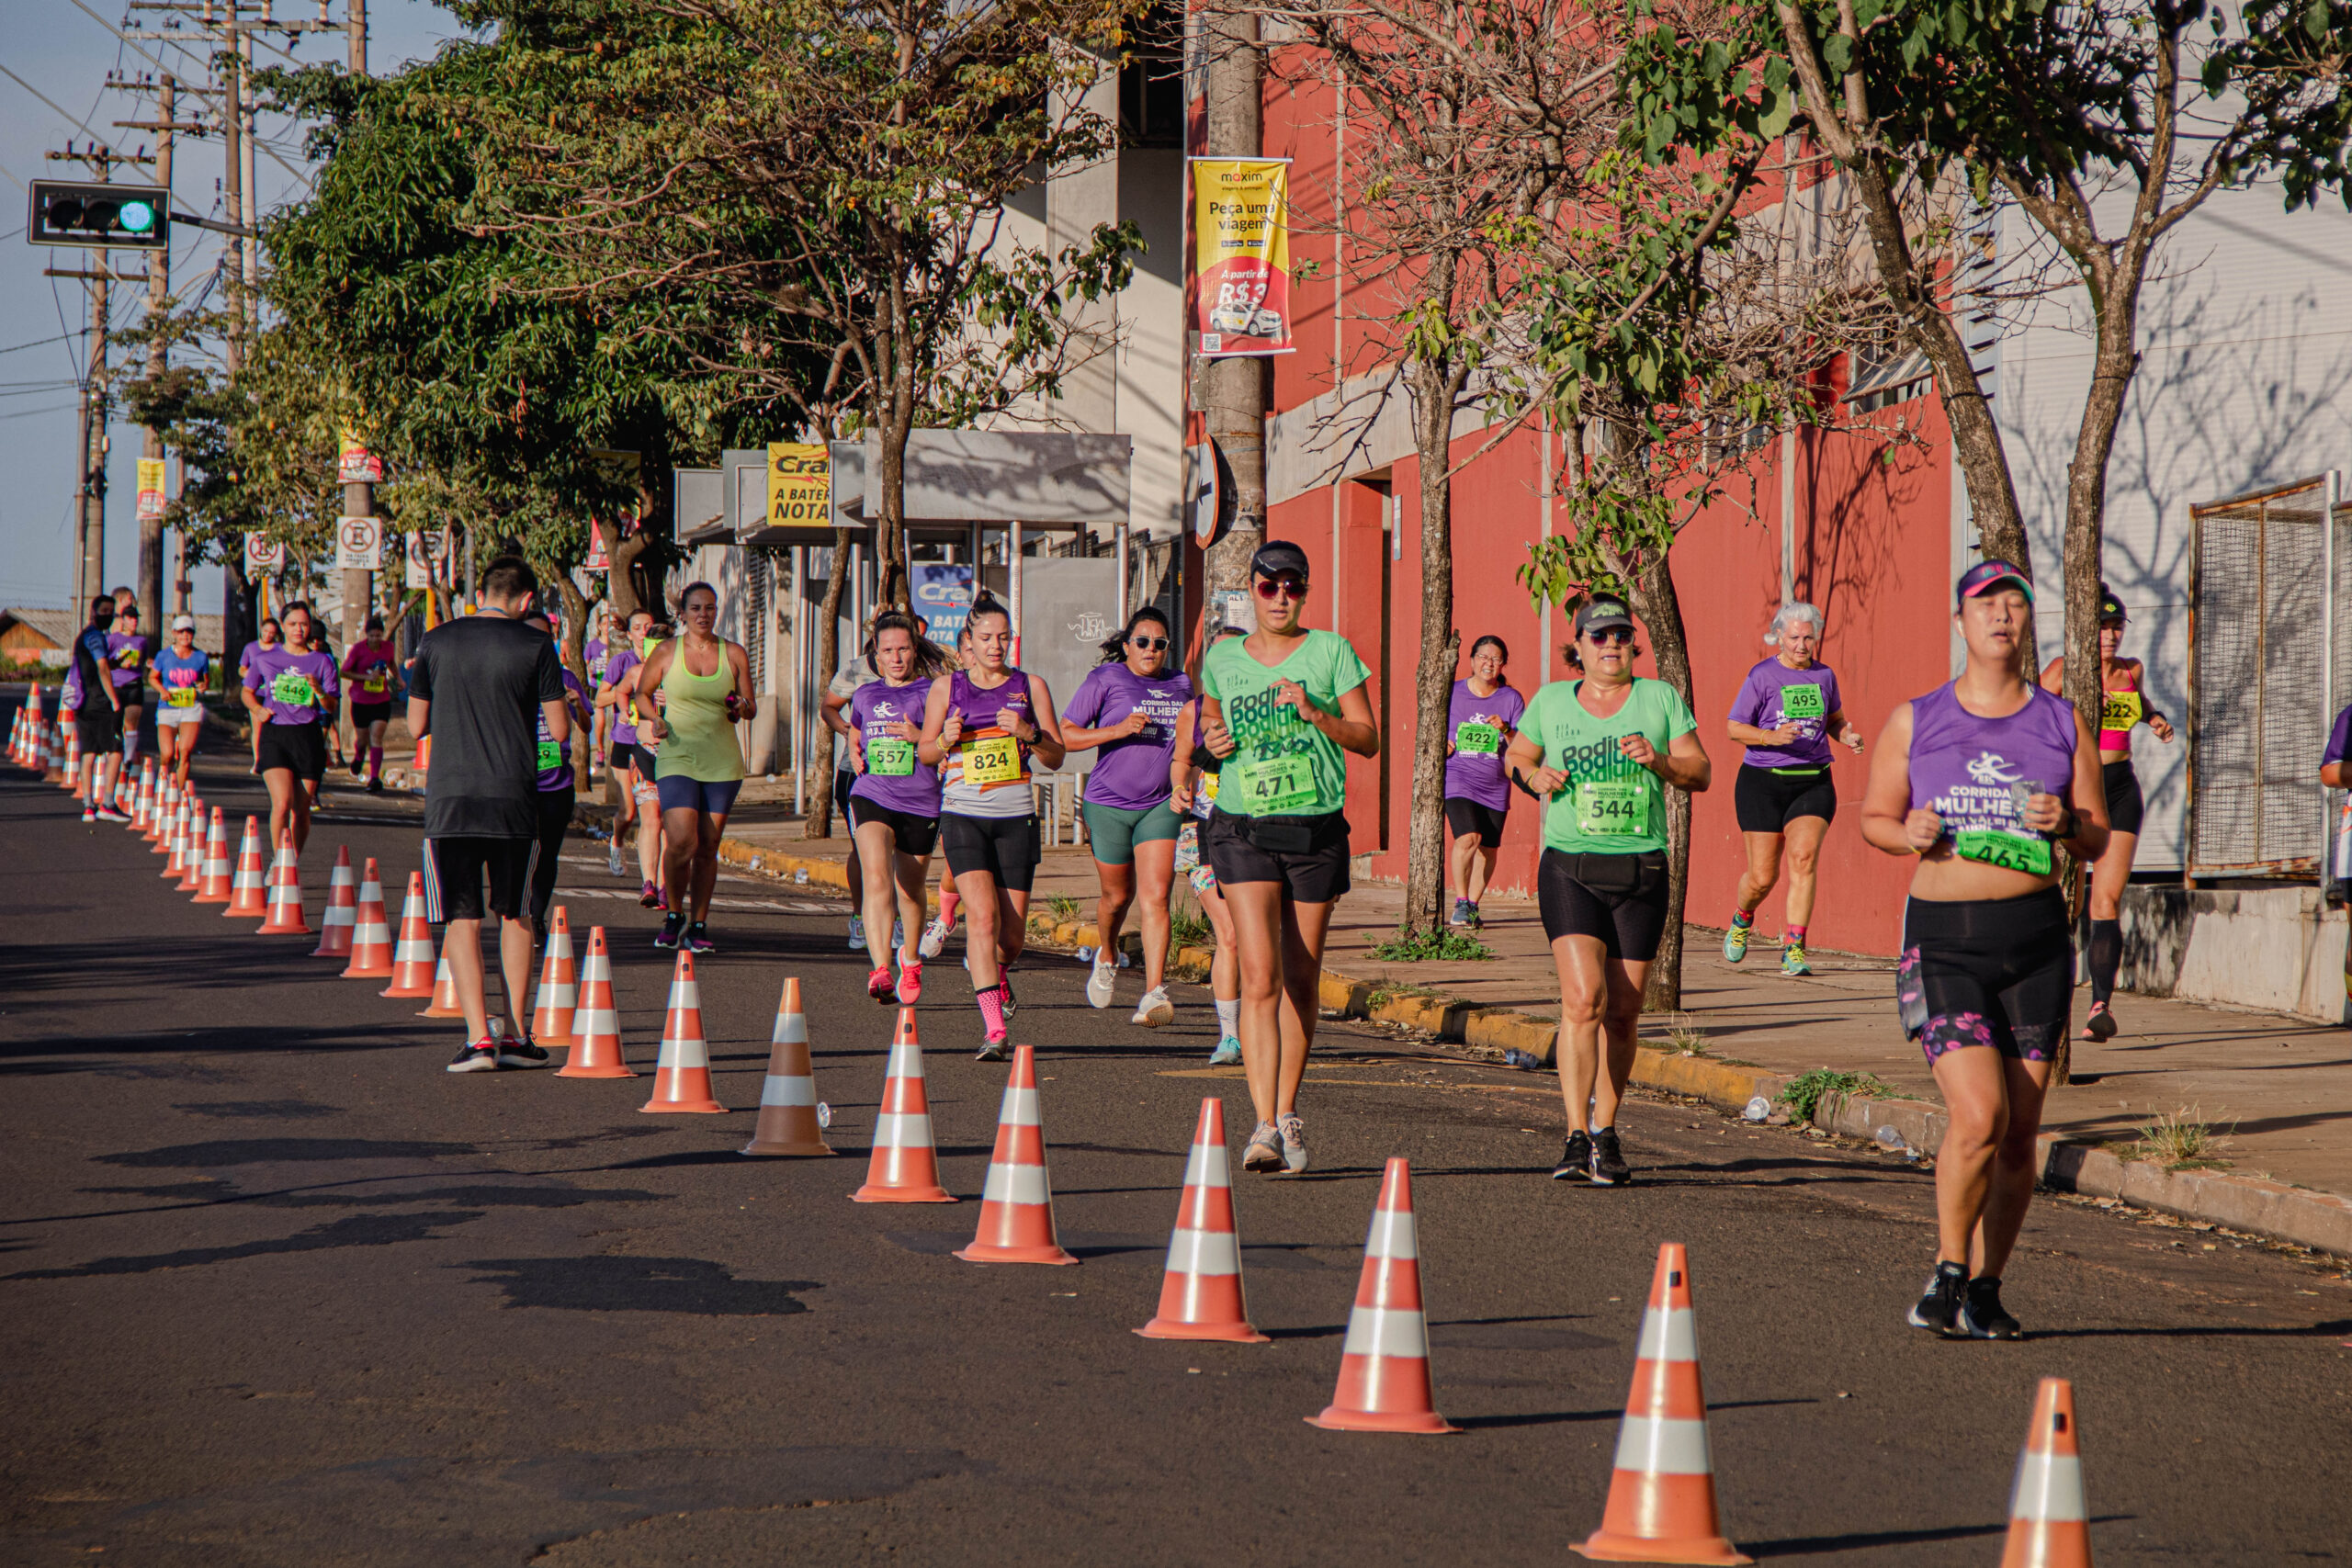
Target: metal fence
x=2268, y=665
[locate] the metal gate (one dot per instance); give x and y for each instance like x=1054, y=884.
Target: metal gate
x=2267, y=666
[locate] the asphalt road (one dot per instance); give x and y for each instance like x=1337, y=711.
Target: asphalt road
x=278, y=1290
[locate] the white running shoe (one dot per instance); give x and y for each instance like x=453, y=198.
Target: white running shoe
x=857, y=933
x=1099, y=982
x=613, y=859
x=934, y=937
x=1155, y=1008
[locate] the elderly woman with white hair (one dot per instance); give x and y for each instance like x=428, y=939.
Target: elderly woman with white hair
x=1787, y=712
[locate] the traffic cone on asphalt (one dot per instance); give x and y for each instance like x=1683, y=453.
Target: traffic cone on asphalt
x=558, y=995
x=789, y=1123
x=371, y=933
x=1200, y=1294
x=443, y=1003
x=1384, y=1369
x=2049, y=1522
x=59, y=728
x=682, y=1076
x=142, y=798
x=16, y=739
x=905, y=1166
x=413, y=955
x=342, y=912
x=73, y=778
x=191, y=870
x=249, y=892
x=175, y=842
x=1662, y=1497
x=595, y=1024
x=160, y=813
x=38, y=761
x=1017, y=1201
x=286, y=893
x=212, y=875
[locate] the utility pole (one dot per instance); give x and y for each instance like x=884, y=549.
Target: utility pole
x=1234, y=390
x=90, y=494
x=150, y=446
x=358, y=500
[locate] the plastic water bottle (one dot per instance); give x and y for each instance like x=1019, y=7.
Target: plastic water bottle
x=1526, y=1062
x=1758, y=1110
x=824, y=1114
x=800, y=876
x=1086, y=955
x=1891, y=1141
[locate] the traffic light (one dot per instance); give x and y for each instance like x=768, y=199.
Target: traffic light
x=100, y=217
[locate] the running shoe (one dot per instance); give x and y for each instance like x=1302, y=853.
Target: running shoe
x=107, y=813
x=857, y=933
x=376, y=786
x=910, y=984
x=1102, y=981
x=934, y=938
x=1609, y=1166
x=538, y=932
x=1461, y=916
x=1155, y=1008
x=1227, y=1052
x=698, y=938
x=992, y=1049
x=481, y=1056
x=89, y=815
x=358, y=768
x=877, y=984
x=520, y=1053
x=1294, y=1132
x=613, y=858
x=1004, y=987
x=2100, y=1024
x=1982, y=1316
x=1735, y=943
x=672, y=931
x=1575, y=1157
x=1478, y=920
x=1793, y=961
x=1938, y=1309
x=649, y=896
x=1265, y=1150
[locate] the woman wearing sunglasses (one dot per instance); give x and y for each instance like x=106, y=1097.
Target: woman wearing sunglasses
x=1127, y=708
x=1280, y=706
x=1601, y=751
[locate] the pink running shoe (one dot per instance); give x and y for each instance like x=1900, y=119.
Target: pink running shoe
x=910, y=984
x=877, y=984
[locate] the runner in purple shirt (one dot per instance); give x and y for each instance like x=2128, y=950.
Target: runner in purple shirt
x=894, y=803
x=1128, y=708
x=291, y=691
x=1786, y=714
x=1480, y=718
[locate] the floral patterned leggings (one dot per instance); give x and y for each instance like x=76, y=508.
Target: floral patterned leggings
x=1997, y=972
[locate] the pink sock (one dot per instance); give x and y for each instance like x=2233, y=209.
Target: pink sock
x=375, y=761
x=992, y=1002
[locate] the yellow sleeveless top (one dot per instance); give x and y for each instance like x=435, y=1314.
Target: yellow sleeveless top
x=701, y=741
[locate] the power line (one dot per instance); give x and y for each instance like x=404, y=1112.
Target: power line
x=52, y=103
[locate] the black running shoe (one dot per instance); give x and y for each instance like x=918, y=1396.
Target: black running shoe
x=672, y=931
x=520, y=1053
x=1609, y=1166
x=1575, y=1157
x=375, y=786
x=538, y=931
x=2100, y=1024
x=481, y=1056
x=1982, y=1316
x=1939, y=1310
x=698, y=939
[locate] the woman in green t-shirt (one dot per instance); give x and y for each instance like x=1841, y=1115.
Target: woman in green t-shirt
x=1601, y=751
x=1280, y=706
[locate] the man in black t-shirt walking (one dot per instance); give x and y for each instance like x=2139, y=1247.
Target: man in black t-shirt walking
x=479, y=685
x=98, y=720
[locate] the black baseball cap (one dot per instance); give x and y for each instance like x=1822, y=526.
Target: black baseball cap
x=1279, y=556
x=2110, y=608
x=1602, y=614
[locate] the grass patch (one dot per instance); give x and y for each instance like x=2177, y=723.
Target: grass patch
x=1433, y=946
x=2179, y=1140
x=1684, y=1037
x=1389, y=990
x=1062, y=907
x=1188, y=928
x=1805, y=1094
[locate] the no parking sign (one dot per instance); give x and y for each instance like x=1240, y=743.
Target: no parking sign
x=359, y=544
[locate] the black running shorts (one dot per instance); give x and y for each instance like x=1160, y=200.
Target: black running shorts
x=453, y=876
x=1997, y=972
x=913, y=835
x=1005, y=847
x=1242, y=850
x=1466, y=819
x=1767, y=800
x=1618, y=900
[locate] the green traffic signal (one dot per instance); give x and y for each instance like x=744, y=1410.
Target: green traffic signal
x=100, y=215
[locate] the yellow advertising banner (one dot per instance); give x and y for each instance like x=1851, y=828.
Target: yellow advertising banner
x=150, y=487
x=1242, y=256
x=799, y=485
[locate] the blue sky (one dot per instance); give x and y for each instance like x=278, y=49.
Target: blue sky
x=67, y=54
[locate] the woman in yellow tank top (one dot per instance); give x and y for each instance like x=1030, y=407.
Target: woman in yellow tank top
x=702, y=687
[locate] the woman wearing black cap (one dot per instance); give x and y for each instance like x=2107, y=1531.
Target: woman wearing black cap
x=2125, y=708
x=1601, y=751
x=1280, y=706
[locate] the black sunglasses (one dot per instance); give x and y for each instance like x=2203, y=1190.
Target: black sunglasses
x=1148, y=643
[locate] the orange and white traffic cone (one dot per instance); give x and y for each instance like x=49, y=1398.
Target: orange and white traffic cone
x=2048, y=1521
x=71, y=782
x=342, y=912
x=142, y=798
x=160, y=813
x=249, y=893
x=286, y=893
x=1662, y=1497
x=16, y=739
x=789, y=1123
x=905, y=1166
x=53, y=770
x=682, y=1076
x=38, y=761
x=191, y=848
x=558, y=995
x=1384, y=1368
x=371, y=931
x=1200, y=1294
x=212, y=874
x=413, y=955
x=1017, y=1201
x=443, y=1003
x=175, y=842
x=595, y=1023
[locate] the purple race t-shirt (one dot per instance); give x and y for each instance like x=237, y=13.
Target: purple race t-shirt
x=1130, y=773
x=2339, y=739
x=1774, y=694
x=297, y=688
x=1475, y=772
x=1966, y=769
x=894, y=776
x=616, y=670
x=127, y=653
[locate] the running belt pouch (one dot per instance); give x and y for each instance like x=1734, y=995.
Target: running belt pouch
x=1610, y=873
x=1280, y=835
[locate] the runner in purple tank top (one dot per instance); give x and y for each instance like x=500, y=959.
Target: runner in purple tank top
x=1979, y=779
x=894, y=805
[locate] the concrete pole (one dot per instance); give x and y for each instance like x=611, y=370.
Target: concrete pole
x=150, y=446
x=1234, y=391
x=237, y=618
x=358, y=500
x=93, y=568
